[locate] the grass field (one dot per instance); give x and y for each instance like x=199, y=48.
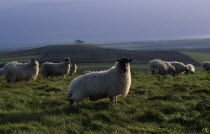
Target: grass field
x=154, y=105
x=103, y=66
x=199, y=56
x=18, y=59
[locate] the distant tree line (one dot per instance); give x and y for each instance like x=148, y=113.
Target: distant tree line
x=79, y=42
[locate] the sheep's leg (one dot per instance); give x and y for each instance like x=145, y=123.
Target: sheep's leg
x=71, y=102
x=113, y=99
x=10, y=80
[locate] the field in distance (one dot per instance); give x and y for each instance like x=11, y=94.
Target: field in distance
x=199, y=45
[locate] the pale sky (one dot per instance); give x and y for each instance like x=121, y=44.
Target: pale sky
x=63, y=21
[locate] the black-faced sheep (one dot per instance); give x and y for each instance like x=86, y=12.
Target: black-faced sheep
x=56, y=69
x=98, y=85
x=73, y=69
x=191, y=69
x=161, y=67
x=15, y=71
x=206, y=66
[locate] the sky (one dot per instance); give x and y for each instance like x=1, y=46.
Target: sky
x=30, y=22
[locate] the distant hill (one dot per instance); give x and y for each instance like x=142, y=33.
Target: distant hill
x=95, y=54
x=185, y=44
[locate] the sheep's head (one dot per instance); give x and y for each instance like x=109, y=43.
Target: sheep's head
x=67, y=61
x=123, y=63
x=187, y=70
x=34, y=62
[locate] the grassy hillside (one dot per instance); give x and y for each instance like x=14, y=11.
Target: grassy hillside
x=185, y=44
x=155, y=105
x=19, y=59
x=94, y=54
x=199, y=56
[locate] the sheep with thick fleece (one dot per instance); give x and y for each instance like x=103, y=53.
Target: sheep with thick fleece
x=98, y=85
x=191, y=68
x=180, y=67
x=56, y=69
x=15, y=71
x=161, y=67
x=206, y=66
x=1, y=71
x=73, y=69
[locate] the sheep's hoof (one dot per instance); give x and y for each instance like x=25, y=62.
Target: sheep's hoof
x=71, y=102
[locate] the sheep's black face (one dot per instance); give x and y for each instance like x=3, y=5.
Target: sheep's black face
x=33, y=62
x=123, y=62
x=67, y=60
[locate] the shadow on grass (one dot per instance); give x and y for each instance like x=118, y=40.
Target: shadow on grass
x=202, y=91
x=165, y=98
x=150, y=116
x=24, y=117
x=20, y=117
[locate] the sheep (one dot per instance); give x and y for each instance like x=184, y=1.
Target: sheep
x=206, y=66
x=56, y=69
x=161, y=67
x=73, y=69
x=180, y=67
x=191, y=69
x=98, y=85
x=15, y=71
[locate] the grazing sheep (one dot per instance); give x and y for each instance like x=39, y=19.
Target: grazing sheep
x=191, y=69
x=180, y=67
x=73, y=69
x=206, y=66
x=15, y=71
x=98, y=85
x=56, y=69
x=1, y=71
x=161, y=67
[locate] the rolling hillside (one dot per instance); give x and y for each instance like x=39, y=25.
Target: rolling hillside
x=185, y=44
x=94, y=54
x=199, y=56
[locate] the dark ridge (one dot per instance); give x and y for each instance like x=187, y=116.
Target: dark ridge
x=93, y=54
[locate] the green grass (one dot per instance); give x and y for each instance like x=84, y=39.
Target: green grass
x=154, y=105
x=103, y=66
x=19, y=59
x=199, y=56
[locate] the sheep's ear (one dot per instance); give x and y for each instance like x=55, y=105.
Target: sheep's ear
x=118, y=60
x=129, y=60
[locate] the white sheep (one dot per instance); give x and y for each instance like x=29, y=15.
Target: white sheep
x=15, y=71
x=73, y=69
x=1, y=71
x=206, y=66
x=180, y=67
x=56, y=69
x=161, y=67
x=98, y=85
x=191, y=68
